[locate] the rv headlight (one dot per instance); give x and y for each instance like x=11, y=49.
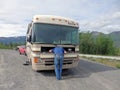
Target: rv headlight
x=37, y=60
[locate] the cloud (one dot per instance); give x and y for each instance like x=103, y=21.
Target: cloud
x=9, y=30
x=106, y=23
x=92, y=15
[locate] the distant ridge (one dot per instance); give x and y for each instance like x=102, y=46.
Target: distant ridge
x=7, y=40
x=116, y=38
x=96, y=33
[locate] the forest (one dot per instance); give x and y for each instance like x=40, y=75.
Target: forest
x=98, y=45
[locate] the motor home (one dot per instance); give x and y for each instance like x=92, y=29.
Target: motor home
x=47, y=31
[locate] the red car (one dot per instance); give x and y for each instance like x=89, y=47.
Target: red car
x=22, y=50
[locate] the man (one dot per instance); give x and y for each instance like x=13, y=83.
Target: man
x=58, y=60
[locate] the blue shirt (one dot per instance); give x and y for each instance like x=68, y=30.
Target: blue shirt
x=58, y=50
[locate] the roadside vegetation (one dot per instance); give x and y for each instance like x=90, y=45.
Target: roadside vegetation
x=108, y=62
x=10, y=45
x=97, y=44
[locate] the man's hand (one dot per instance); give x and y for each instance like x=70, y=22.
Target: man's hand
x=65, y=52
x=50, y=50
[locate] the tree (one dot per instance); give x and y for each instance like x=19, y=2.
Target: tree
x=101, y=44
x=86, y=43
x=104, y=45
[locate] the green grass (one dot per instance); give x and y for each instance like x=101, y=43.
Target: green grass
x=118, y=65
x=108, y=62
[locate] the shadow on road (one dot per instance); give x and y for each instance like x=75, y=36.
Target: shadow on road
x=84, y=69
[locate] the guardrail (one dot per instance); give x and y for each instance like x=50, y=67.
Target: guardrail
x=100, y=56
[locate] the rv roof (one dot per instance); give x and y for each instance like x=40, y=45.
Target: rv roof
x=50, y=19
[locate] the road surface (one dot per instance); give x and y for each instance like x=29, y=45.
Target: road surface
x=87, y=76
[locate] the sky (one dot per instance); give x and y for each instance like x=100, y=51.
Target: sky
x=92, y=15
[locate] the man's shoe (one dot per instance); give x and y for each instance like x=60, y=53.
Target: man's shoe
x=26, y=63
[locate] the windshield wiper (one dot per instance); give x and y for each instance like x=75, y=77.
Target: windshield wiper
x=66, y=44
x=39, y=42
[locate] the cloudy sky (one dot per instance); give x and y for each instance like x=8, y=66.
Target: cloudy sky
x=92, y=15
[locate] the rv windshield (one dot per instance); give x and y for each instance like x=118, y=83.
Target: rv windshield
x=54, y=34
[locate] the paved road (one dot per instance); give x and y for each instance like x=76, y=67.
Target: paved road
x=87, y=76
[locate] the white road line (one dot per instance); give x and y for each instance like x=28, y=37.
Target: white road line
x=99, y=56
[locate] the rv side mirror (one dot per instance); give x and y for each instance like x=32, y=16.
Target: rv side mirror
x=29, y=38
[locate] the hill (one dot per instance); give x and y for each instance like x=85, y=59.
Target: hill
x=116, y=38
x=7, y=40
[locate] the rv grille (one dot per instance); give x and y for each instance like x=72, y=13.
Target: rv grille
x=64, y=62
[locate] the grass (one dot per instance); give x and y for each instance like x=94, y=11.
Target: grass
x=108, y=62
x=118, y=65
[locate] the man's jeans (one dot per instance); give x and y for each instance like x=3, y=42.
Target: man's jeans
x=58, y=61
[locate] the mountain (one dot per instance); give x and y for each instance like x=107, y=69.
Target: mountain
x=7, y=40
x=116, y=38
x=96, y=33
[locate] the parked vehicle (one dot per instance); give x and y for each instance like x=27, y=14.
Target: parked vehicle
x=22, y=50
x=46, y=31
x=17, y=48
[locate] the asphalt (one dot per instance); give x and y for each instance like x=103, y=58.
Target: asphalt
x=86, y=76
